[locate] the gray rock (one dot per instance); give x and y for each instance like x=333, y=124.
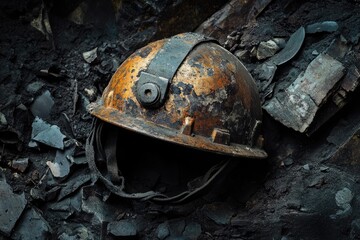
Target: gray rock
x=297, y=106
x=101, y=211
x=11, y=207
x=266, y=49
x=66, y=207
x=192, y=231
x=32, y=226
x=80, y=232
x=288, y=161
x=90, y=56
x=74, y=184
x=355, y=229
x=306, y=167
x=34, y=87
x=281, y=42
x=42, y=105
x=176, y=227
x=3, y=120
x=61, y=166
x=326, y=26
x=122, y=228
x=242, y=55
x=162, y=231
x=47, y=134
x=20, y=164
x=343, y=197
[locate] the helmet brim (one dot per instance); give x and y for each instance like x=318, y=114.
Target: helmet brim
x=113, y=116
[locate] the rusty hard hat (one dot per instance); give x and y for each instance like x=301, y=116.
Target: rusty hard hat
x=187, y=90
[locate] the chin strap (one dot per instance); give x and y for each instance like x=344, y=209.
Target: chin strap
x=99, y=154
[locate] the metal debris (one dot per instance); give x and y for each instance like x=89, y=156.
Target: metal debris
x=297, y=105
x=32, y=226
x=266, y=71
x=292, y=47
x=326, y=26
x=11, y=207
x=42, y=105
x=90, y=56
x=122, y=228
x=20, y=164
x=47, y=134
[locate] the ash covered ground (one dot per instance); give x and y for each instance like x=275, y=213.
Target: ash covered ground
x=308, y=187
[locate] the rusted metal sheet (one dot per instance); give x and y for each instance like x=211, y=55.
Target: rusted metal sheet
x=297, y=106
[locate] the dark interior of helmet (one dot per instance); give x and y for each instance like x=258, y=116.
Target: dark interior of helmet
x=148, y=163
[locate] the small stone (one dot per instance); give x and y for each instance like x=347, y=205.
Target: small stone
x=266, y=49
x=288, y=161
x=47, y=134
x=34, y=87
x=324, y=169
x=122, y=228
x=91, y=93
x=42, y=105
x=162, y=231
x=281, y=42
x=192, y=231
x=90, y=56
x=343, y=197
x=315, y=53
x=326, y=26
x=3, y=120
x=20, y=164
x=306, y=167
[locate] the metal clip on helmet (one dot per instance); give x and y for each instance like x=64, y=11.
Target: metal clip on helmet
x=187, y=90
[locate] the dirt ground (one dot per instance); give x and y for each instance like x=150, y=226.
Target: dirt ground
x=293, y=194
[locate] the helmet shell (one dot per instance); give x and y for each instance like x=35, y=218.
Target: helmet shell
x=212, y=102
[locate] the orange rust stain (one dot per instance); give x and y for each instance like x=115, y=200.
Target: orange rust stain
x=202, y=71
x=125, y=77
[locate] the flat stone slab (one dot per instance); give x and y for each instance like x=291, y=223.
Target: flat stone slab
x=297, y=106
x=11, y=207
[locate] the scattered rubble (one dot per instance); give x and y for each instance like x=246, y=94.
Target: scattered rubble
x=47, y=134
x=20, y=164
x=90, y=56
x=122, y=228
x=326, y=26
x=32, y=226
